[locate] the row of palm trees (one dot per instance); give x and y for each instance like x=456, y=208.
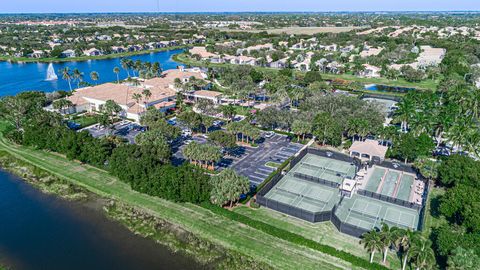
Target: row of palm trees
x=77, y=76
x=412, y=246
x=203, y=155
x=140, y=69
x=243, y=131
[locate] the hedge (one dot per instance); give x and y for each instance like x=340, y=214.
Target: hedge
x=277, y=171
x=293, y=238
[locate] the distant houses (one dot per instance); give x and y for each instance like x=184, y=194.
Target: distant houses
x=68, y=54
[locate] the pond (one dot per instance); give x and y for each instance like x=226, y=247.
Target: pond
x=387, y=88
x=18, y=77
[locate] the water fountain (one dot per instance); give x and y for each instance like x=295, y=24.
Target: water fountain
x=51, y=76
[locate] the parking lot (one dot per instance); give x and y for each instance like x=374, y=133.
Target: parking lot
x=252, y=163
x=248, y=161
x=124, y=129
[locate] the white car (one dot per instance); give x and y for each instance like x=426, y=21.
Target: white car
x=269, y=134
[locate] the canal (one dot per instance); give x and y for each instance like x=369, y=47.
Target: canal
x=39, y=231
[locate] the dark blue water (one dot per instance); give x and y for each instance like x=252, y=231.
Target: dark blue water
x=39, y=231
x=17, y=77
x=387, y=88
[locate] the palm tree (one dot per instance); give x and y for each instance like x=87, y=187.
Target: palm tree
x=116, y=70
x=137, y=97
x=422, y=254
x=147, y=94
x=372, y=242
x=403, y=242
x=405, y=112
x=67, y=76
x=78, y=76
x=94, y=76
x=125, y=65
x=388, y=237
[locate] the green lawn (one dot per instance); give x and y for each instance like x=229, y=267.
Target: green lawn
x=85, y=120
x=425, y=84
x=273, y=164
x=323, y=232
x=432, y=217
x=230, y=234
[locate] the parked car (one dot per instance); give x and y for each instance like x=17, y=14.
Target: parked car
x=269, y=134
x=217, y=123
x=172, y=122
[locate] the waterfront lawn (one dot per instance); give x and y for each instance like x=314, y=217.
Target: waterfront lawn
x=322, y=232
x=195, y=219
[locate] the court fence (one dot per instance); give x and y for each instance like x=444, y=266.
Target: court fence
x=328, y=215
x=346, y=227
x=388, y=199
x=317, y=180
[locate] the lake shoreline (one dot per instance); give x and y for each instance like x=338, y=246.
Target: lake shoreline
x=85, y=58
x=162, y=232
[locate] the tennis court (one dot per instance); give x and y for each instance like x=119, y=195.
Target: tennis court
x=369, y=213
x=303, y=194
x=390, y=183
x=325, y=168
x=375, y=179
x=405, y=187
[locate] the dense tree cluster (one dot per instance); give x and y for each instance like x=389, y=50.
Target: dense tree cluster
x=145, y=166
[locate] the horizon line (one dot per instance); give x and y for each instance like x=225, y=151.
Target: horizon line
x=236, y=12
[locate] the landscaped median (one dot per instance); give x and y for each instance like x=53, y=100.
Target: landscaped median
x=206, y=224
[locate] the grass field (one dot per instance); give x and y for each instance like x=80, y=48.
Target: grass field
x=432, y=216
x=323, y=232
x=203, y=223
x=423, y=85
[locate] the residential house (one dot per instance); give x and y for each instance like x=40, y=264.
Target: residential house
x=92, y=52
x=68, y=54
x=370, y=71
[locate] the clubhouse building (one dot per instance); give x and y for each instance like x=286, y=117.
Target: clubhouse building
x=162, y=94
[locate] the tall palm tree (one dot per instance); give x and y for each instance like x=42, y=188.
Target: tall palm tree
x=66, y=75
x=116, y=70
x=388, y=237
x=372, y=242
x=137, y=97
x=125, y=65
x=147, y=94
x=94, y=76
x=405, y=112
x=403, y=242
x=78, y=76
x=422, y=254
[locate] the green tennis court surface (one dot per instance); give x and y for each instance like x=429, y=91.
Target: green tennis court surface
x=325, y=168
x=366, y=213
x=391, y=183
x=306, y=195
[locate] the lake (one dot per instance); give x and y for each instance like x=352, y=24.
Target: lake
x=18, y=77
x=40, y=231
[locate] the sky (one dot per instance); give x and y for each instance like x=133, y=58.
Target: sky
x=66, y=6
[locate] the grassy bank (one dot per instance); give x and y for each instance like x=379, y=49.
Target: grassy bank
x=423, y=85
x=84, y=58
x=238, y=238
x=179, y=240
